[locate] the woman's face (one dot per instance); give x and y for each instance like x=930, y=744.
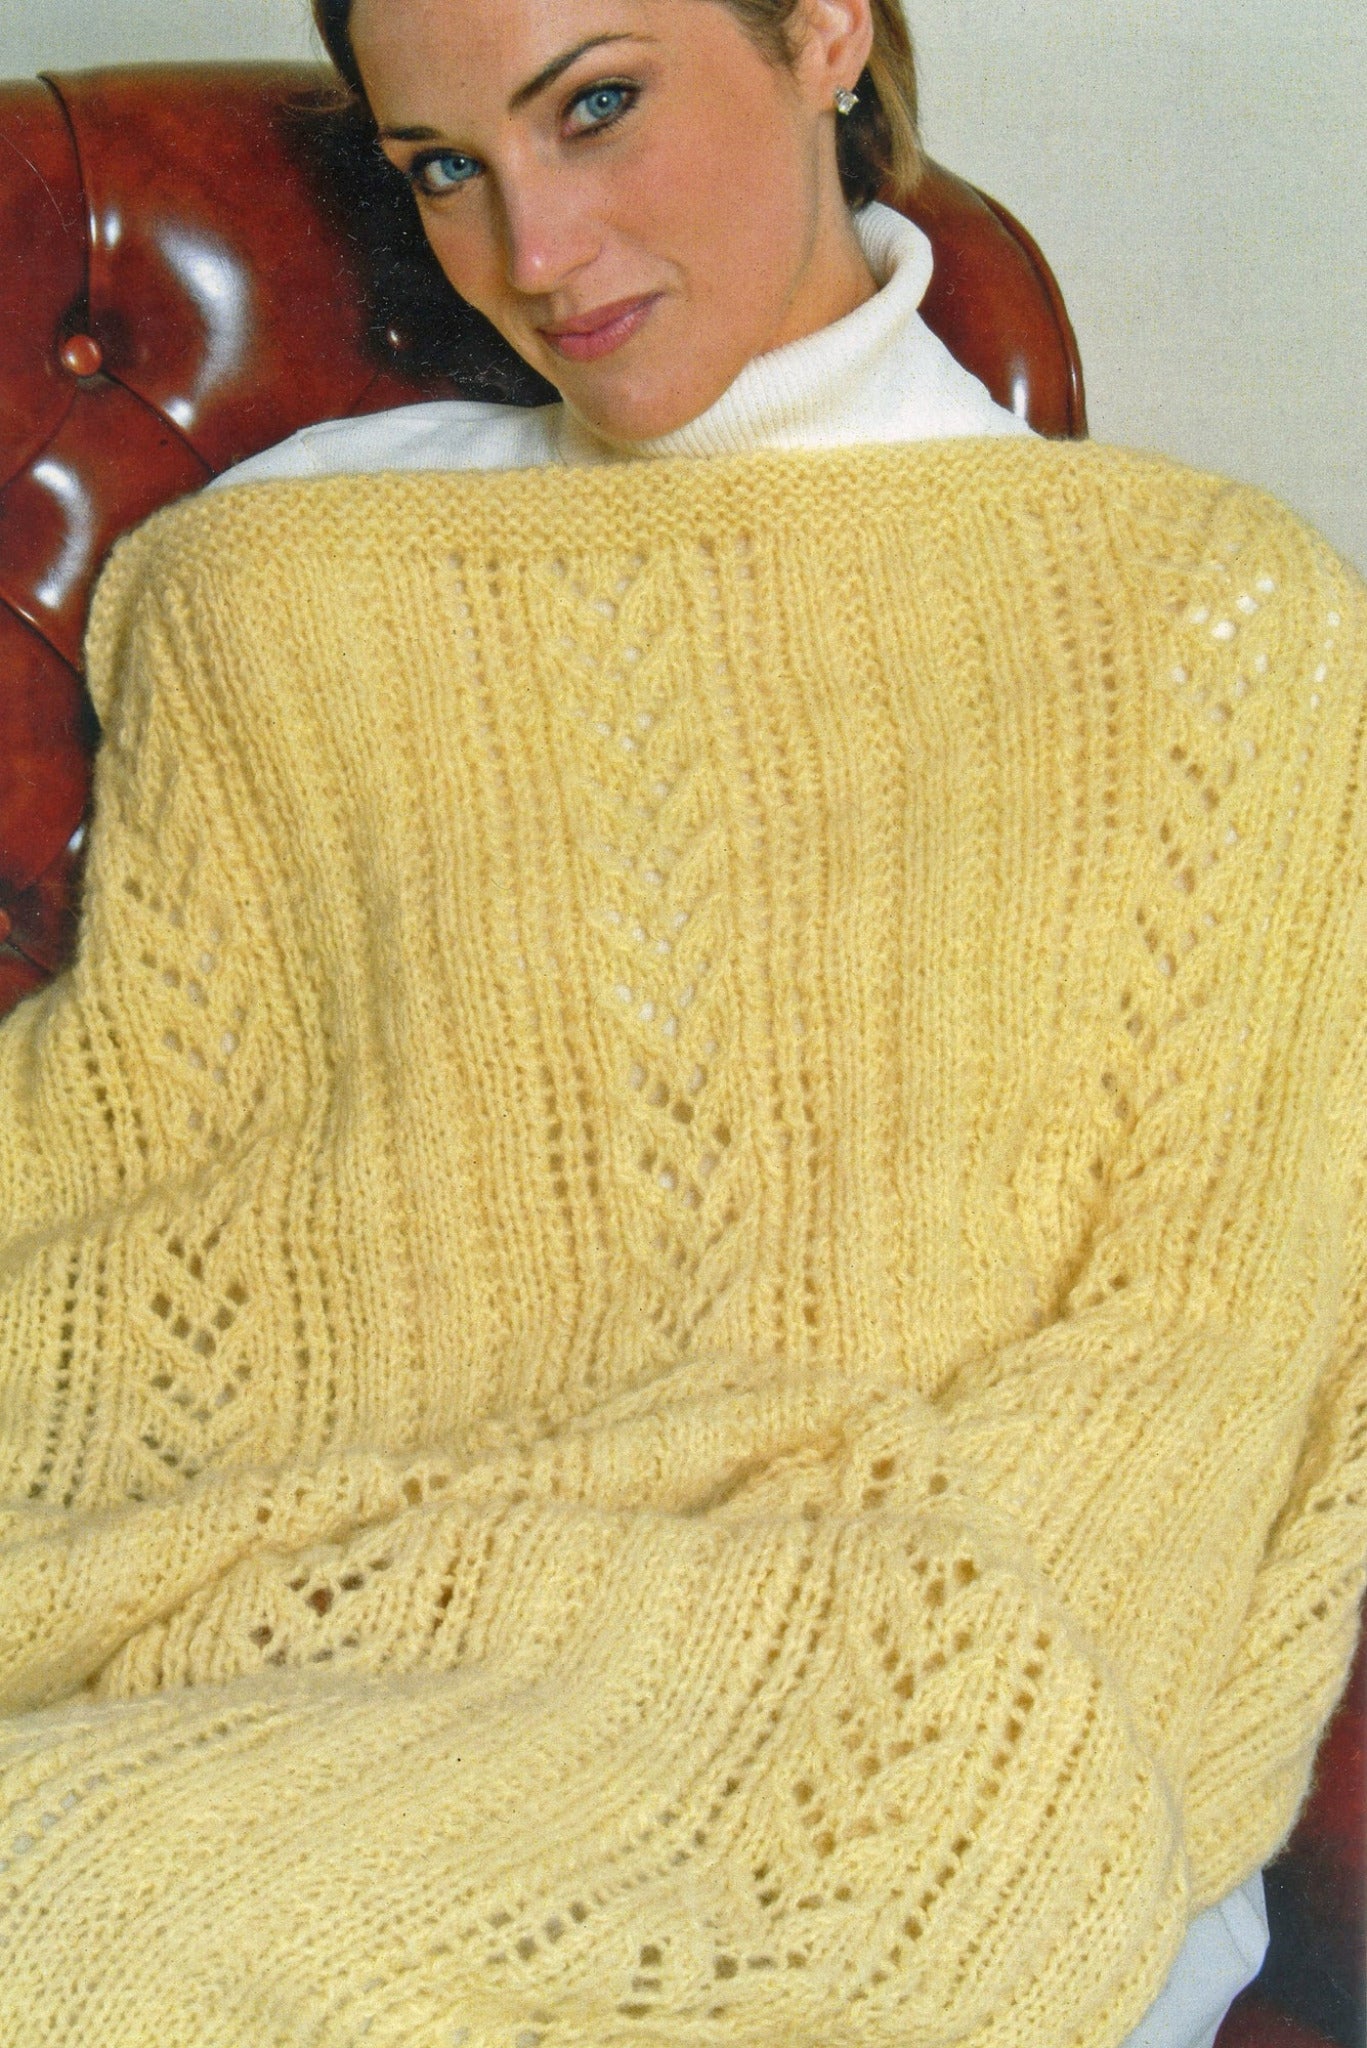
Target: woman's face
x=634, y=194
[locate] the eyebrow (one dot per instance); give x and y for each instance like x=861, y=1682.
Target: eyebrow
x=559, y=65
x=544, y=78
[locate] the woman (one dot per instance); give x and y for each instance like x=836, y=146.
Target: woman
x=803, y=1404
x=588, y=229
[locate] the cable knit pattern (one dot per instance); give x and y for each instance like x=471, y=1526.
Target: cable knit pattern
x=682, y=1296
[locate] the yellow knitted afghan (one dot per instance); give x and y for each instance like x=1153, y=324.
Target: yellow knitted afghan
x=683, y=1285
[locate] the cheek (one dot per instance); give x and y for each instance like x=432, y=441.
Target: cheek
x=726, y=199
x=466, y=248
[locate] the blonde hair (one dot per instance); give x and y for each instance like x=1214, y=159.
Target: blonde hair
x=878, y=143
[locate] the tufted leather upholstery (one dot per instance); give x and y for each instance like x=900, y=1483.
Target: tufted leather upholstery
x=196, y=260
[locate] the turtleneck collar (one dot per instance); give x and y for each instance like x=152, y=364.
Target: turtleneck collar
x=877, y=375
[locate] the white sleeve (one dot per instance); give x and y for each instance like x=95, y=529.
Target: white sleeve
x=1223, y=1952
x=290, y=458
x=445, y=434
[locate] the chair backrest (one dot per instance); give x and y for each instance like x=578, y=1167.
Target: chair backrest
x=196, y=260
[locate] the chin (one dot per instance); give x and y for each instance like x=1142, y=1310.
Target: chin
x=641, y=401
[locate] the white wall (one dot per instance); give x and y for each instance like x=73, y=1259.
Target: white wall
x=57, y=35
x=1192, y=169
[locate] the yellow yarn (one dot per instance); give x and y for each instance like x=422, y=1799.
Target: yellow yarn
x=683, y=1276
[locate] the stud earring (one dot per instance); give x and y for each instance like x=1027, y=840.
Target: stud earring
x=846, y=102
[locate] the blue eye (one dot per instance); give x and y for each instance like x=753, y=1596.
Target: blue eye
x=441, y=172
x=600, y=106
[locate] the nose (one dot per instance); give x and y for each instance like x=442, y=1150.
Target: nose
x=550, y=230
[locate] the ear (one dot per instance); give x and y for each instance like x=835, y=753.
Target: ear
x=835, y=38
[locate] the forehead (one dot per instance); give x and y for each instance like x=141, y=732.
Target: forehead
x=438, y=62
x=507, y=39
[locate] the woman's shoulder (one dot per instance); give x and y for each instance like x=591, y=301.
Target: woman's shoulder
x=444, y=434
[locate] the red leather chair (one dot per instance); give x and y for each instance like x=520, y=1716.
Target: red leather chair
x=196, y=260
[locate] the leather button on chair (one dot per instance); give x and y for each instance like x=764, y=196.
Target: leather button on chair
x=6, y=926
x=82, y=355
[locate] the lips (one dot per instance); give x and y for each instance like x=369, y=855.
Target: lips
x=591, y=335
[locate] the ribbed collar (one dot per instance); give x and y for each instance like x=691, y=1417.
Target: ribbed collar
x=877, y=375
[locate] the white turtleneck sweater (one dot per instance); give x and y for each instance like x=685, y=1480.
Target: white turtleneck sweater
x=877, y=375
